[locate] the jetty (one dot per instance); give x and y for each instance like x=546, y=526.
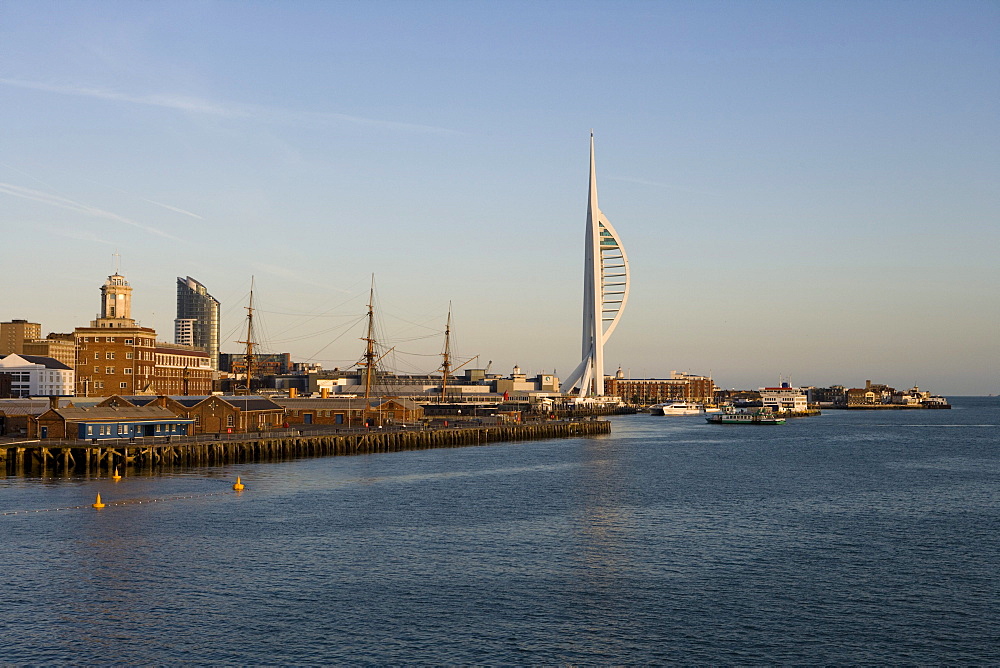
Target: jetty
x=93, y=458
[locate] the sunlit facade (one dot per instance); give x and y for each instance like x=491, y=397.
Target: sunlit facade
x=605, y=292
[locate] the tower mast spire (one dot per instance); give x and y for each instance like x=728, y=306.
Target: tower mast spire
x=605, y=291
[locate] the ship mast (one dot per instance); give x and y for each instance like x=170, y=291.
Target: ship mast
x=446, y=363
x=248, y=356
x=369, y=356
x=446, y=367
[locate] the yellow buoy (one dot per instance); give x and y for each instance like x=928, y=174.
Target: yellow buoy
x=239, y=485
x=116, y=476
x=98, y=504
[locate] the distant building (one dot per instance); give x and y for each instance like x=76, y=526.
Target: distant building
x=33, y=376
x=784, y=398
x=519, y=384
x=57, y=346
x=181, y=370
x=860, y=396
x=114, y=355
x=197, y=323
x=645, y=391
x=835, y=395
x=13, y=334
x=265, y=364
x=345, y=412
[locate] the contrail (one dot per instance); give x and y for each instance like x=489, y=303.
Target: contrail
x=66, y=203
x=198, y=105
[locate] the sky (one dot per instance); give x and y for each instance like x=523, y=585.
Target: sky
x=807, y=191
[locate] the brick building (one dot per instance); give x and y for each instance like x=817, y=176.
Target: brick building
x=181, y=370
x=114, y=355
x=645, y=391
x=338, y=412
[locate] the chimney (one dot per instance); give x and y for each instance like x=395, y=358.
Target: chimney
x=293, y=392
x=324, y=392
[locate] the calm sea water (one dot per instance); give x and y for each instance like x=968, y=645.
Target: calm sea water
x=853, y=537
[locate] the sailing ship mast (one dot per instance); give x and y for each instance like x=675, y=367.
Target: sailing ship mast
x=446, y=363
x=446, y=355
x=248, y=356
x=369, y=356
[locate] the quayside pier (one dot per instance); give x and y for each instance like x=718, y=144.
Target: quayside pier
x=66, y=457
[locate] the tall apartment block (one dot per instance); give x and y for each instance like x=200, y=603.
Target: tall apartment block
x=197, y=323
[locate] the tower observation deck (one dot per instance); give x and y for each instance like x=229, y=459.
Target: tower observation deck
x=605, y=293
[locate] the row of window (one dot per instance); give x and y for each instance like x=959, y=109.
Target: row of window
x=99, y=385
x=122, y=430
x=111, y=339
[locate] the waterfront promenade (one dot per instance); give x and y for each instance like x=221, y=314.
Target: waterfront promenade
x=90, y=458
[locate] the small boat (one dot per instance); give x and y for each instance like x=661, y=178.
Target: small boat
x=677, y=408
x=732, y=416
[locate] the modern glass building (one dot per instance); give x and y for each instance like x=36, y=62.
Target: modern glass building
x=197, y=322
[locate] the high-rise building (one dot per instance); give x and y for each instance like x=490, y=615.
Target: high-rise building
x=605, y=292
x=13, y=334
x=197, y=323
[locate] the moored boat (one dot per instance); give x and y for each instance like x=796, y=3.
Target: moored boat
x=732, y=416
x=677, y=408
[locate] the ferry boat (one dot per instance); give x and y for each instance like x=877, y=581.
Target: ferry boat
x=677, y=408
x=732, y=416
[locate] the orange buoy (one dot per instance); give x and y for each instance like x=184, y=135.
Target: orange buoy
x=239, y=486
x=116, y=476
x=98, y=504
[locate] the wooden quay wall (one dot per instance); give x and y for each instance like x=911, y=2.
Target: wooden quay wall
x=85, y=457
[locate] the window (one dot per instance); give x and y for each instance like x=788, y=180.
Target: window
x=109, y=355
x=97, y=356
x=109, y=369
x=230, y=422
x=128, y=371
x=128, y=356
x=124, y=386
x=128, y=342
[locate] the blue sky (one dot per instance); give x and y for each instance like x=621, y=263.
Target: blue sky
x=805, y=189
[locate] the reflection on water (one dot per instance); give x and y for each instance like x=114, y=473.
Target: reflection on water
x=847, y=538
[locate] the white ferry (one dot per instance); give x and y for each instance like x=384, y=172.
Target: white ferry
x=677, y=408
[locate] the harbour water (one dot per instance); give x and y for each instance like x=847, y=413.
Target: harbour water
x=852, y=537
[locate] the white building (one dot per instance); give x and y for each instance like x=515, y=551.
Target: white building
x=780, y=399
x=36, y=376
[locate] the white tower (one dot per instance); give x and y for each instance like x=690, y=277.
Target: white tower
x=605, y=292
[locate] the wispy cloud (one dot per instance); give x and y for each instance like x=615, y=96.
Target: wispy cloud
x=229, y=110
x=84, y=235
x=79, y=207
x=174, y=208
x=670, y=186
